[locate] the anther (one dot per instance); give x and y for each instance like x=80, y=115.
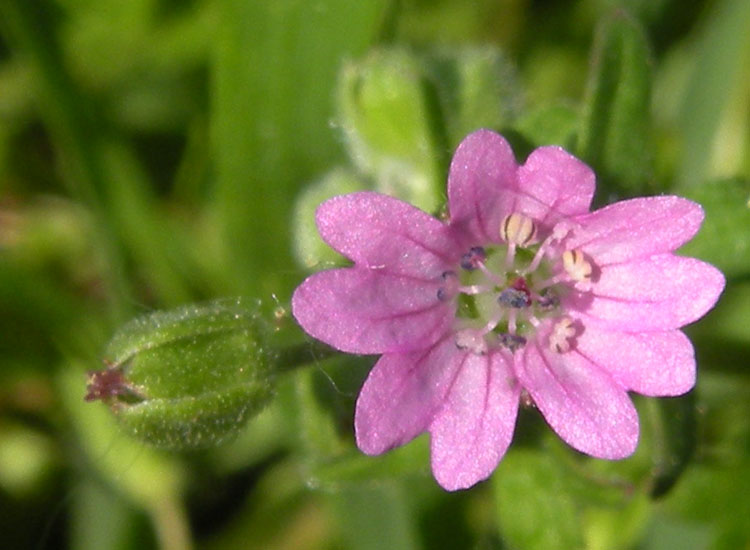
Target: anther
x=471, y=340
x=473, y=258
x=576, y=266
x=449, y=287
x=559, y=338
x=548, y=299
x=511, y=341
x=513, y=297
x=517, y=229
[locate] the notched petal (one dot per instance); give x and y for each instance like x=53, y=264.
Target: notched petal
x=636, y=228
x=553, y=184
x=649, y=363
x=662, y=292
x=402, y=394
x=366, y=311
x=475, y=426
x=580, y=401
x=381, y=232
x=482, y=171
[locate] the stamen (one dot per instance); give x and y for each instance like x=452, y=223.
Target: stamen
x=490, y=275
x=559, y=338
x=576, y=265
x=511, y=341
x=474, y=289
x=471, y=339
x=473, y=258
x=540, y=253
x=548, y=300
x=517, y=229
x=512, y=321
x=515, y=298
x=450, y=286
x=551, y=281
x=510, y=255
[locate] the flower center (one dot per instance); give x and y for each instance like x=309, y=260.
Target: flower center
x=505, y=293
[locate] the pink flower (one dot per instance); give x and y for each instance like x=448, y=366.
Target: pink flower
x=523, y=292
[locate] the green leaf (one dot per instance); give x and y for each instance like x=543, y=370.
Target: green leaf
x=377, y=517
x=673, y=439
x=408, y=461
x=276, y=66
x=556, y=500
x=724, y=238
x=536, y=509
x=616, y=527
x=721, y=339
x=714, y=119
x=615, y=134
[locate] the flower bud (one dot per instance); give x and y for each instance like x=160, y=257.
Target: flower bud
x=384, y=110
x=477, y=87
x=187, y=378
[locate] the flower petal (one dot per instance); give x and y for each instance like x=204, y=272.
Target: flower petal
x=552, y=184
x=637, y=228
x=482, y=171
x=367, y=311
x=402, y=394
x=586, y=408
x=473, y=430
x=378, y=231
x=663, y=292
x=649, y=363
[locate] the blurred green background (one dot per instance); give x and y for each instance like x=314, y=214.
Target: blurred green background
x=155, y=153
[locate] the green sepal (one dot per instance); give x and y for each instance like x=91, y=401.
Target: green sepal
x=188, y=378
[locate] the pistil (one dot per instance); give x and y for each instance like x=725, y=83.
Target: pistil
x=502, y=292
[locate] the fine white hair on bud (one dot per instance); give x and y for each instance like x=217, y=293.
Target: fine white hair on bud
x=191, y=377
x=576, y=265
x=517, y=229
x=559, y=338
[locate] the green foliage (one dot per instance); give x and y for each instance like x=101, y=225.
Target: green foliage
x=615, y=134
x=724, y=239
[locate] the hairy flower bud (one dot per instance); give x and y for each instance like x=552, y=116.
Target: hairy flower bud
x=187, y=378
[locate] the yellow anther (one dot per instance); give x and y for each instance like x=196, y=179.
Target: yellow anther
x=576, y=265
x=559, y=338
x=517, y=229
